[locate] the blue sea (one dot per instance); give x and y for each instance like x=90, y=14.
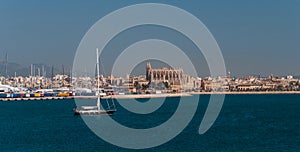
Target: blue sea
x=246, y=123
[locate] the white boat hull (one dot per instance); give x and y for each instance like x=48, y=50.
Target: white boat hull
x=94, y=112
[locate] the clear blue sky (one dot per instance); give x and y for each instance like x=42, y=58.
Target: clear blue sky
x=256, y=37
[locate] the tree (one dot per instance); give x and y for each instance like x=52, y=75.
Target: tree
x=137, y=85
x=167, y=85
x=145, y=86
x=161, y=86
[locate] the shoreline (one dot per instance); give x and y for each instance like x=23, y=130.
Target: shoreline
x=142, y=96
x=247, y=92
x=145, y=96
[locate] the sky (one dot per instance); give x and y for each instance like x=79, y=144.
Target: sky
x=256, y=37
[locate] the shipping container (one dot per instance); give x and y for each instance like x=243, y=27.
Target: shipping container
x=3, y=95
x=15, y=95
x=22, y=95
x=63, y=95
x=48, y=94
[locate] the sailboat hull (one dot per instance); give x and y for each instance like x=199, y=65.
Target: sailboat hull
x=93, y=112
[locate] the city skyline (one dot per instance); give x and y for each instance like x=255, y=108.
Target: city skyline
x=48, y=71
x=256, y=38
x=167, y=80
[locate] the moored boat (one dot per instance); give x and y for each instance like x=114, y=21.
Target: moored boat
x=95, y=110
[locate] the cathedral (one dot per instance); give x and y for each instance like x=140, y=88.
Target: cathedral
x=174, y=77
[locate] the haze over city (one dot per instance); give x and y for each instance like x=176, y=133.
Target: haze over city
x=256, y=37
x=149, y=75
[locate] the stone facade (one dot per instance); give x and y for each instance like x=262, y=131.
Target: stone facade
x=175, y=78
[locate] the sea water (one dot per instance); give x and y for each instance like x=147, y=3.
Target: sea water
x=246, y=123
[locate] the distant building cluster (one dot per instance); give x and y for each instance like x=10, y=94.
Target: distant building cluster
x=37, y=82
x=250, y=83
x=156, y=80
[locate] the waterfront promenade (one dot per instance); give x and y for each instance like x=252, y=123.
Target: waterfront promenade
x=35, y=98
x=248, y=92
x=141, y=96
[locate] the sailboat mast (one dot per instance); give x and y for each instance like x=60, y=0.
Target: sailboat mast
x=98, y=80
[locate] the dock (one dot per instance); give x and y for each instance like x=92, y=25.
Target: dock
x=35, y=98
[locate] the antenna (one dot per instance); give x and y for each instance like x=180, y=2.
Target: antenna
x=52, y=77
x=71, y=77
x=6, y=62
x=31, y=69
x=43, y=71
x=39, y=72
x=63, y=75
x=34, y=70
x=63, y=70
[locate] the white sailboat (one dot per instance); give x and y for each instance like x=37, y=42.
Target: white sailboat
x=95, y=110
